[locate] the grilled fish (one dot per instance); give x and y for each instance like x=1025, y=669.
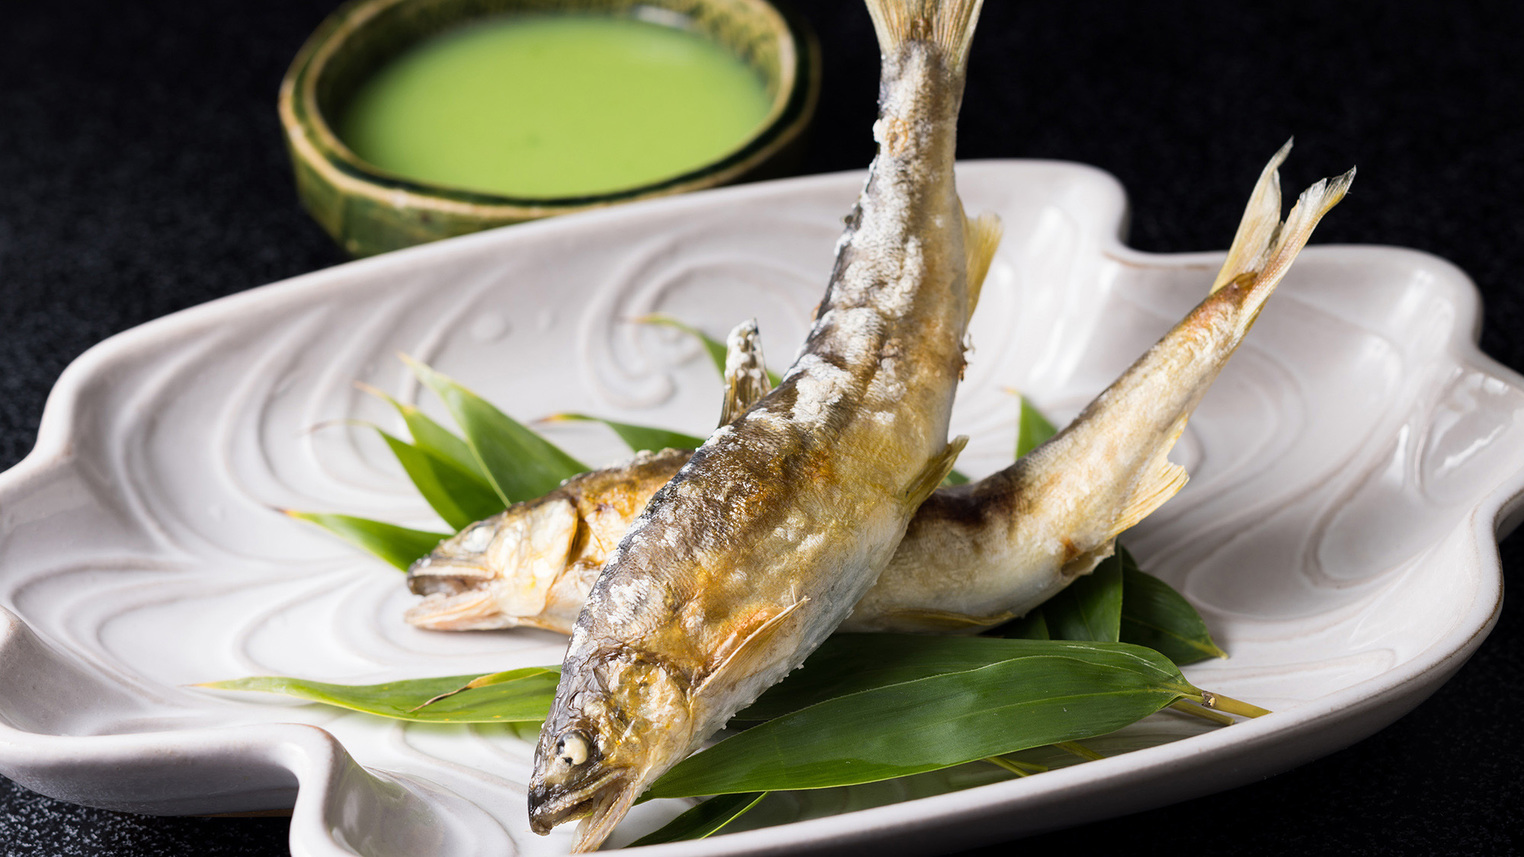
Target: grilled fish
x=980, y=554
x=761, y=544
x=974, y=555
x=533, y=564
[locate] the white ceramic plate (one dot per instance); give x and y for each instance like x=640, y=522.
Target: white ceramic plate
x=1351, y=471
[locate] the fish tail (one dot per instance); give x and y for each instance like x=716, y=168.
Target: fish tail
x=1259, y=226
x=948, y=24
x=1265, y=247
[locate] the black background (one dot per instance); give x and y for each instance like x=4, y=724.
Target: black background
x=142, y=171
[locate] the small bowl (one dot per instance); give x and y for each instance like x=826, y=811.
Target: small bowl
x=369, y=210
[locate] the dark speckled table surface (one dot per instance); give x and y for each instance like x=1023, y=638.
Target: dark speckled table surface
x=142, y=172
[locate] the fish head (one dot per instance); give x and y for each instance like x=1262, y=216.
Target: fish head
x=498, y=572
x=612, y=730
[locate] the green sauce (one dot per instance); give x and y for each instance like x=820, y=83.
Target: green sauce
x=555, y=105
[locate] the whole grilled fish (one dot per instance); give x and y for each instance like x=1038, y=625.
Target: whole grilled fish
x=760, y=545
x=974, y=555
x=980, y=554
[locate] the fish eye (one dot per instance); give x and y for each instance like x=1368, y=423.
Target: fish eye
x=573, y=749
x=477, y=538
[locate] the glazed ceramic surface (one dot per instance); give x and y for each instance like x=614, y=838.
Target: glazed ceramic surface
x=1351, y=470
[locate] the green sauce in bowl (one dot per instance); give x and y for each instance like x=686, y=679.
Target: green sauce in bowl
x=413, y=120
x=555, y=105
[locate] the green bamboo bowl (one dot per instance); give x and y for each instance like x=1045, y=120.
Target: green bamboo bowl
x=369, y=210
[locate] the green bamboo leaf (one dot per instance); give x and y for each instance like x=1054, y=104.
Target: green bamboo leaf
x=852, y=663
x=430, y=435
x=937, y=721
x=435, y=438
x=517, y=696
x=1090, y=608
x=522, y=465
x=704, y=820
x=638, y=438
x=1032, y=428
x=955, y=478
x=793, y=806
x=456, y=494
x=714, y=347
x=399, y=546
x=1155, y=615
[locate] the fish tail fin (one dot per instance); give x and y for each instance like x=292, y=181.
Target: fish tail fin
x=981, y=237
x=949, y=24
x=1311, y=205
x=1261, y=222
x=1265, y=247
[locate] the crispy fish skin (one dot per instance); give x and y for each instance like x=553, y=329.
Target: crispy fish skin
x=980, y=554
x=976, y=555
x=533, y=564
x=760, y=545
x=555, y=546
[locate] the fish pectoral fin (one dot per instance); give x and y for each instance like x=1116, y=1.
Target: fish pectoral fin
x=1163, y=480
x=930, y=477
x=747, y=645
x=746, y=380
x=981, y=237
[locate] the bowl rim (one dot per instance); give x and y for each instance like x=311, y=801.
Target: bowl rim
x=314, y=143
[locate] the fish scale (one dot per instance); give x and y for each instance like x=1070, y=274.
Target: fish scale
x=974, y=555
x=761, y=544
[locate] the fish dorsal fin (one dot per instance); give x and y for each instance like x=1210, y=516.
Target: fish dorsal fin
x=981, y=237
x=746, y=645
x=931, y=476
x=746, y=380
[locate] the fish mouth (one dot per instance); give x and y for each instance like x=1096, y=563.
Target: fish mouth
x=601, y=804
x=468, y=611
x=456, y=597
x=437, y=576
